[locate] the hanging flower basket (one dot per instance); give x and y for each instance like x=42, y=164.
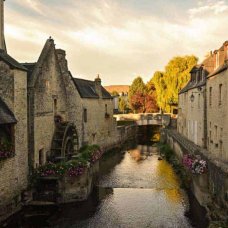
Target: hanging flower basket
x=6, y=154
x=195, y=165
x=76, y=167
x=6, y=150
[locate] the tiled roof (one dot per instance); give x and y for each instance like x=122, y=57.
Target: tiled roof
x=86, y=89
x=12, y=62
x=6, y=115
x=193, y=84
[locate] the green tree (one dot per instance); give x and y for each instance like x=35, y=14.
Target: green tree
x=137, y=86
x=123, y=106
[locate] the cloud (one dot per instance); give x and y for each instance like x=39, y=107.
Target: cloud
x=213, y=8
x=113, y=39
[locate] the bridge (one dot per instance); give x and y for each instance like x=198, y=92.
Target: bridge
x=142, y=119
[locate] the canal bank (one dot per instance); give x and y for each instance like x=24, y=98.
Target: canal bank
x=209, y=183
x=135, y=189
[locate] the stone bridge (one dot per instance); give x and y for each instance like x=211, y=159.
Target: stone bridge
x=146, y=118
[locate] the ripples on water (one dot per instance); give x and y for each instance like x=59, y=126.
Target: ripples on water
x=135, y=190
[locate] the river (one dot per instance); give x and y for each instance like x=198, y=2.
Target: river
x=135, y=190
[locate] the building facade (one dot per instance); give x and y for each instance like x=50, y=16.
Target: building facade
x=191, y=114
x=65, y=113
x=217, y=111
x=45, y=115
x=99, y=126
x=13, y=130
x=203, y=112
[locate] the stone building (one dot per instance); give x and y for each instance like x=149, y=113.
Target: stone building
x=45, y=114
x=51, y=134
x=13, y=130
x=191, y=114
x=217, y=105
x=99, y=126
x=64, y=112
x=203, y=105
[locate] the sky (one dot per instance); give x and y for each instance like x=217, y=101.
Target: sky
x=118, y=39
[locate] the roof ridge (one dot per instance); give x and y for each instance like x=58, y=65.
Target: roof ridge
x=83, y=79
x=11, y=61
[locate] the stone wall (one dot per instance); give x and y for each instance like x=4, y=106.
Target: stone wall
x=191, y=115
x=211, y=187
x=217, y=115
x=48, y=99
x=126, y=133
x=74, y=101
x=100, y=127
x=14, y=171
x=72, y=189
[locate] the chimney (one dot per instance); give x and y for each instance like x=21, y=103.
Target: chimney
x=98, y=86
x=226, y=50
x=61, y=54
x=2, y=37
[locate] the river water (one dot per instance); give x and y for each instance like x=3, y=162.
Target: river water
x=136, y=190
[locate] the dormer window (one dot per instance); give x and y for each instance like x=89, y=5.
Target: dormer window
x=194, y=77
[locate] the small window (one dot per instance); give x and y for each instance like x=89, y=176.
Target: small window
x=216, y=132
x=220, y=94
x=85, y=115
x=55, y=106
x=198, y=100
x=221, y=133
x=41, y=157
x=220, y=148
x=106, y=108
x=210, y=96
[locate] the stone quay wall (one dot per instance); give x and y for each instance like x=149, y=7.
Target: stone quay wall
x=210, y=188
x=73, y=189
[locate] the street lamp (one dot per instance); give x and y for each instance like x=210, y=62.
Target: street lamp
x=192, y=97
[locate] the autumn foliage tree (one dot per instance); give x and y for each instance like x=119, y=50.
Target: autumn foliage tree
x=142, y=97
x=169, y=83
x=163, y=88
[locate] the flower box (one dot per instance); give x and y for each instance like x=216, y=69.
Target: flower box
x=195, y=164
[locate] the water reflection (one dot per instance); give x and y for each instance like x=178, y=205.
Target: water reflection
x=135, y=190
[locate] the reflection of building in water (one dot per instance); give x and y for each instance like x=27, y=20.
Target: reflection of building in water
x=142, y=152
x=136, y=155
